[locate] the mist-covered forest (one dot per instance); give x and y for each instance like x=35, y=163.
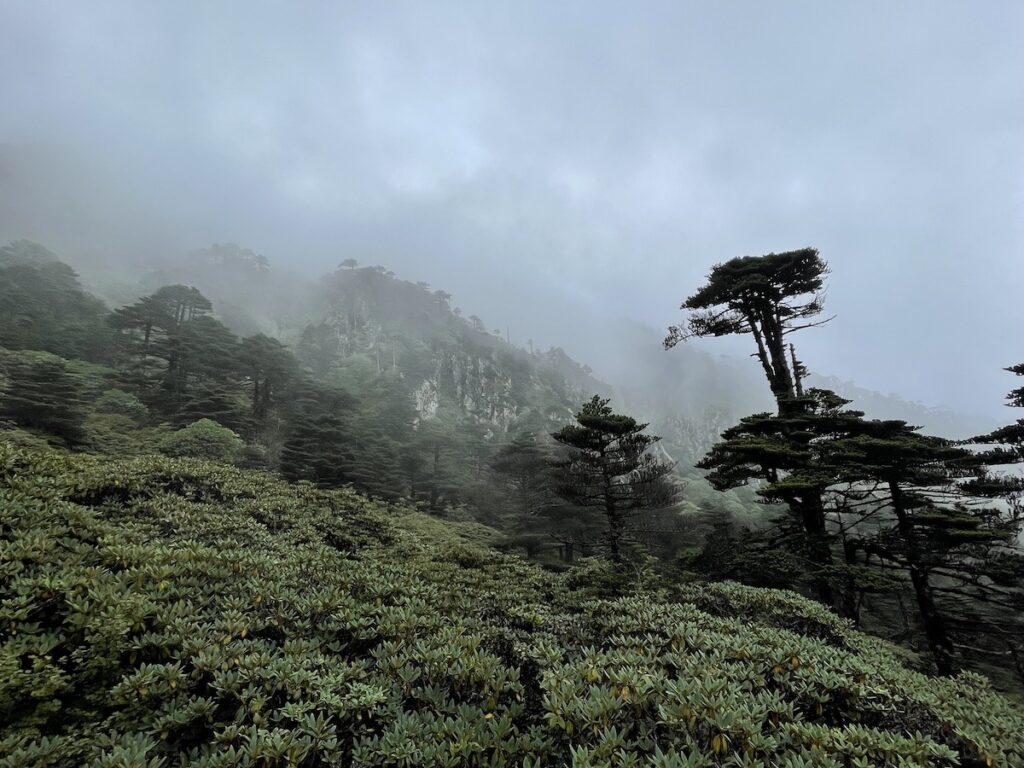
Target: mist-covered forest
x=341, y=424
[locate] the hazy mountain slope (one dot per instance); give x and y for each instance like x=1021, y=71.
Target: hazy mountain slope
x=367, y=316
x=932, y=419
x=180, y=613
x=690, y=396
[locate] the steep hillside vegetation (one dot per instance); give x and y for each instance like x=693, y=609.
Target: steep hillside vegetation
x=159, y=612
x=369, y=380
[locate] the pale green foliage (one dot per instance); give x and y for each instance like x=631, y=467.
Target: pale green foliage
x=122, y=403
x=202, y=439
x=158, y=612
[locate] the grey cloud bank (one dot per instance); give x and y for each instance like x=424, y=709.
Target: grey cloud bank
x=555, y=166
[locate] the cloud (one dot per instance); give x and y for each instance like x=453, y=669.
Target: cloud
x=557, y=166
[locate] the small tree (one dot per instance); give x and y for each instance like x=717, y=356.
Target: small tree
x=609, y=468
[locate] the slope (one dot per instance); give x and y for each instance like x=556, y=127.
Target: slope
x=165, y=613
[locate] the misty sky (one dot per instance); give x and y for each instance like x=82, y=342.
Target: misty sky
x=556, y=166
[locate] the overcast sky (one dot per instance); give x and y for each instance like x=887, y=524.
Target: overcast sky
x=554, y=163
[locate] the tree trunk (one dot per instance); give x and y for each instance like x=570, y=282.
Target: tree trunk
x=614, y=535
x=935, y=631
x=848, y=602
x=812, y=515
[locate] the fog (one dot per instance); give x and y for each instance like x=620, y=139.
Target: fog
x=561, y=169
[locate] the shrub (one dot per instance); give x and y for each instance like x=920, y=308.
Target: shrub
x=169, y=612
x=202, y=439
x=121, y=403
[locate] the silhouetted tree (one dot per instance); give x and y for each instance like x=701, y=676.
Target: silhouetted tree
x=1004, y=448
x=912, y=513
x=770, y=297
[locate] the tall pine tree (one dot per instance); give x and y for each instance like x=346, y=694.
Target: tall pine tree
x=768, y=298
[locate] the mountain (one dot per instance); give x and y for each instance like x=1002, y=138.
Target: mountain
x=448, y=361
x=934, y=420
x=687, y=394
x=690, y=396
x=161, y=612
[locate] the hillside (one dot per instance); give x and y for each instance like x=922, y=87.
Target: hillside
x=689, y=395
x=164, y=613
x=420, y=399
x=426, y=394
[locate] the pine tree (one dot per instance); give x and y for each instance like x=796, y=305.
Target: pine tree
x=783, y=455
x=1007, y=442
x=208, y=377
x=914, y=515
x=609, y=469
x=156, y=342
x=37, y=392
x=438, y=476
x=319, y=446
x=769, y=297
x=43, y=306
x=268, y=369
x=521, y=467
x=995, y=481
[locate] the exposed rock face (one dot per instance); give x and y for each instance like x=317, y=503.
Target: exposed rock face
x=694, y=435
x=479, y=387
x=427, y=400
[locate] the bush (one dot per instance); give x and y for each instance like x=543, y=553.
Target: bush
x=169, y=612
x=253, y=457
x=116, y=435
x=203, y=439
x=122, y=403
x=20, y=438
